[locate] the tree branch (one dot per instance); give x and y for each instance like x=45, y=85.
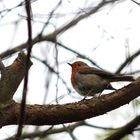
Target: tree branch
x=128, y=61
x=127, y=129
x=49, y=131
x=52, y=36
x=2, y=67
x=71, y=112
x=29, y=49
x=11, y=77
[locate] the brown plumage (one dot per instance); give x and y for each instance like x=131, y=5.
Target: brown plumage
x=88, y=81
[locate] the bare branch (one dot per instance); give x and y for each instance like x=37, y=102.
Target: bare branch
x=49, y=131
x=29, y=48
x=127, y=129
x=136, y=2
x=12, y=77
x=2, y=67
x=71, y=112
x=127, y=61
x=52, y=36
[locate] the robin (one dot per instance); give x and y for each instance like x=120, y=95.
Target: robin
x=88, y=81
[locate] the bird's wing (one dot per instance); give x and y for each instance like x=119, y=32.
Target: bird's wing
x=91, y=82
x=106, y=75
x=97, y=72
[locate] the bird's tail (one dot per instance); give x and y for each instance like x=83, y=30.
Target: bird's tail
x=121, y=78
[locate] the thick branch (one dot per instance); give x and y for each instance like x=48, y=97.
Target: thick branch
x=127, y=129
x=11, y=77
x=2, y=67
x=71, y=112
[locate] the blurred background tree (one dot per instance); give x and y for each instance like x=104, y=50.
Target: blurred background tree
x=102, y=33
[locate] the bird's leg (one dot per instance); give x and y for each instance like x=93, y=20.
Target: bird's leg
x=99, y=94
x=88, y=94
x=84, y=97
x=94, y=95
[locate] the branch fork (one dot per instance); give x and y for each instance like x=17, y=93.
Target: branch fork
x=11, y=77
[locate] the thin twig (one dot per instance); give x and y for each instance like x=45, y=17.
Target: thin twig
x=52, y=70
x=50, y=16
x=136, y=2
x=78, y=54
x=52, y=36
x=23, y=102
x=128, y=61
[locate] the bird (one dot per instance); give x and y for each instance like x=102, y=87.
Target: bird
x=89, y=81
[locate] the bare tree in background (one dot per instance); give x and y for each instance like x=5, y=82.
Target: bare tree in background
x=48, y=31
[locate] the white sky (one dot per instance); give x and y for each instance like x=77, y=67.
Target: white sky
x=102, y=37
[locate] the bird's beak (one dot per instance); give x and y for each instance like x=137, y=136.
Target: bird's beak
x=69, y=64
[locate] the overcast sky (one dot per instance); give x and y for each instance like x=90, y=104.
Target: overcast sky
x=105, y=37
